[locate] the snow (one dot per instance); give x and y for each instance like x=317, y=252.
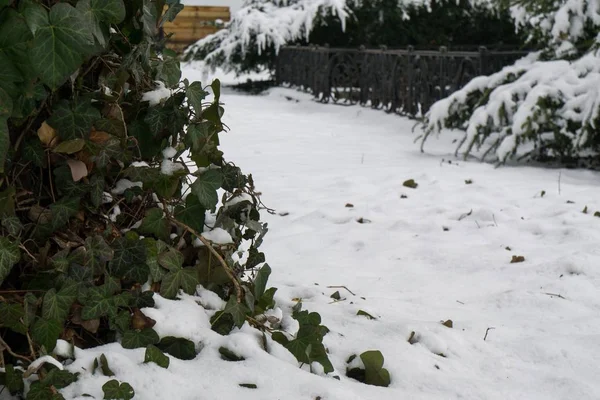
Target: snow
x=311, y=160
x=123, y=184
x=154, y=97
x=218, y=236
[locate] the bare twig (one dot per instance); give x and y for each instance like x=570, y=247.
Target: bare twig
x=555, y=295
x=4, y=346
x=486, y=332
x=460, y=302
x=559, y=176
x=342, y=287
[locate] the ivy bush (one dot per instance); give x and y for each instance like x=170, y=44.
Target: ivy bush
x=106, y=186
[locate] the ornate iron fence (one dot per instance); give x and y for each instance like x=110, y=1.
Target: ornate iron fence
x=407, y=81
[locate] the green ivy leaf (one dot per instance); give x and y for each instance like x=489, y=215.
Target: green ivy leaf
x=63, y=210
x=97, y=254
x=33, y=151
x=153, y=249
x=96, y=189
x=56, y=305
x=70, y=146
x=178, y=347
x=185, y=278
x=216, y=89
x=192, y=214
x=154, y=223
x=104, y=366
x=153, y=354
x=375, y=374
x=60, y=44
x=96, y=12
x=266, y=301
x=11, y=316
x=13, y=379
x=9, y=256
x=134, y=339
x=205, y=188
x=30, y=306
x=73, y=121
x=171, y=259
x=35, y=15
x=113, y=390
x=39, y=391
x=101, y=301
x=45, y=332
x=120, y=322
x=238, y=311
x=260, y=282
x=12, y=225
x=129, y=258
x=169, y=72
x=171, y=13
x=196, y=95
x=60, y=379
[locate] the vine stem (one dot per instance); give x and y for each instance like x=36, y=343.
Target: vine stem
x=5, y=346
x=238, y=288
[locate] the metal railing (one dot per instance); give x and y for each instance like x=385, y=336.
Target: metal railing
x=406, y=81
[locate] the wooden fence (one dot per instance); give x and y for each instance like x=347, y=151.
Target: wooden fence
x=195, y=22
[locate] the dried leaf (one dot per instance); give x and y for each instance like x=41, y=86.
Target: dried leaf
x=517, y=259
x=47, y=134
x=91, y=325
x=78, y=169
x=99, y=136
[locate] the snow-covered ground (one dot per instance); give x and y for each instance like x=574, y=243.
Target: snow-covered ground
x=441, y=253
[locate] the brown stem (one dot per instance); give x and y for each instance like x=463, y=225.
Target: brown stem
x=5, y=346
x=238, y=288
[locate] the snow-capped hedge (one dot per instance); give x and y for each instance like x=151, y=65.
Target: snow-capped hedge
x=545, y=105
x=553, y=106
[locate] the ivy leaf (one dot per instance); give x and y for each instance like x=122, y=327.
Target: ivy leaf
x=45, y=332
x=13, y=380
x=375, y=374
x=134, y=339
x=60, y=44
x=154, y=223
x=169, y=72
x=73, y=121
x=12, y=225
x=35, y=15
x=70, y=146
x=216, y=88
x=171, y=13
x=205, y=188
x=63, y=210
x=237, y=310
x=196, y=94
x=130, y=257
x=96, y=189
x=9, y=256
x=100, y=301
x=260, y=282
x=153, y=354
x=193, y=214
x=185, y=278
x=153, y=249
x=120, y=322
x=171, y=260
x=113, y=390
x=57, y=305
x=98, y=253
x=11, y=317
x=59, y=378
x=33, y=151
x=97, y=11
x=39, y=391
x=178, y=347
x=104, y=366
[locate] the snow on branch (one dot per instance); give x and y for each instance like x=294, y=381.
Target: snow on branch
x=267, y=26
x=549, y=108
